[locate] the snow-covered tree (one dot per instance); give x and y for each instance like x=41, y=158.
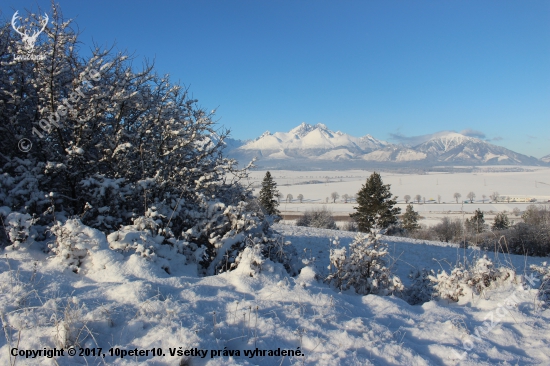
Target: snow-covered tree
x=300, y=197
x=334, y=196
x=471, y=196
x=407, y=198
x=289, y=198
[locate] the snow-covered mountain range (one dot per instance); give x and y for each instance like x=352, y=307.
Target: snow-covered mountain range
x=317, y=144
x=546, y=159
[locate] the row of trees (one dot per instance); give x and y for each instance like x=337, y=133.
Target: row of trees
x=334, y=196
x=457, y=196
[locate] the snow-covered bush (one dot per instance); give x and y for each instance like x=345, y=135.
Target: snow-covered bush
x=477, y=277
x=142, y=238
x=18, y=227
x=543, y=275
x=320, y=218
x=337, y=264
x=364, y=268
x=422, y=288
x=350, y=226
x=73, y=243
x=112, y=144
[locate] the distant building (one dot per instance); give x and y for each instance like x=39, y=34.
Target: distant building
x=516, y=199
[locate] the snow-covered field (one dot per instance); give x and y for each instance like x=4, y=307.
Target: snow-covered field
x=532, y=183
x=126, y=302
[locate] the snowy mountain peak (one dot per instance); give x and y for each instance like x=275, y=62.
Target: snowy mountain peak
x=304, y=128
x=321, y=126
x=454, y=136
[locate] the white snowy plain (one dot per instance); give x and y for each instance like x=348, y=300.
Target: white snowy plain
x=317, y=187
x=128, y=302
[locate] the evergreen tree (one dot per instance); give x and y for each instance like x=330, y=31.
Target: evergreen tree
x=375, y=205
x=410, y=219
x=501, y=222
x=269, y=194
x=476, y=223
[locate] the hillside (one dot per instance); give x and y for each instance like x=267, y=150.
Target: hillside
x=125, y=301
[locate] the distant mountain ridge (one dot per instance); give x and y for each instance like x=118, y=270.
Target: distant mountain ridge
x=317, y=144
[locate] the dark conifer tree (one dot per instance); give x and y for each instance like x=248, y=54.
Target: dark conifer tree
x=501, y=222
x=268, y=195
x=375, y=205
x=476, y=223
x=410, y=219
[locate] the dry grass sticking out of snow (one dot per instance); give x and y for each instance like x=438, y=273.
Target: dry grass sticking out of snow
x=126, y=301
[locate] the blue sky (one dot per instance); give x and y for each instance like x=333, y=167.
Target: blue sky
x=395, y=69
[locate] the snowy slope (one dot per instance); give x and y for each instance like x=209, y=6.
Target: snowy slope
x=125, y=301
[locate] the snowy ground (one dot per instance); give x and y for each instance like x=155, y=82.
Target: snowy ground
x=129, y=302
x=317, y=186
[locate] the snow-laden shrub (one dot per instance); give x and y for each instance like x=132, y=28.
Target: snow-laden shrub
x=477, y=277
x=116, y=143
x=142, y=238
x=350, y=226
x=364, y=267
x=422, y=288
x=145, y=238
x=73, y=243
x=222, y=231
x=319, y=218
x=18, y=227
x=543, y=275
x=131, y=145
x=107, y=205
x=21, y=185
x=338, y=260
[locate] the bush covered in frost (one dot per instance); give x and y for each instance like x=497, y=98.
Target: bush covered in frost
x=477, y=277
x=112, y=144
x=543, y=275
x=363, y=266
x=422, y=288
x=319, y=217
